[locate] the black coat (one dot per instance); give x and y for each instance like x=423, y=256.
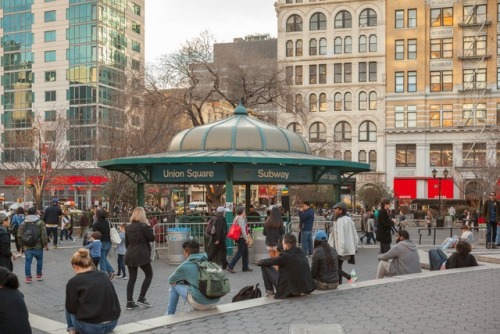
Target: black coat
x=138, y=239
x=294, y=273
x=320, y=270
x=385, y=223
x=103, y=226
x=5, y=253
x=220, y=229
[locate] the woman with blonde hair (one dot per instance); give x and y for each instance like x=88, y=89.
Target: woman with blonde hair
x=138, y=238
x=92, y=305
x=274, y=230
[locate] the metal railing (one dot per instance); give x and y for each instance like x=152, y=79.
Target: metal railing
x=435, y=229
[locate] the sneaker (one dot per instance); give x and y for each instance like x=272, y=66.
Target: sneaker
x=55, y=247
x=39, y=277
x=249, y=269
x=232, y=271
x=131, y=305
x=111, y=276
x=143, y=302
x=269, y=293
x=124, y=277
x=28, y=280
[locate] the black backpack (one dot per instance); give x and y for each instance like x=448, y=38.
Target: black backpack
x=210, y=229
x=31, y=234
x=248, y=292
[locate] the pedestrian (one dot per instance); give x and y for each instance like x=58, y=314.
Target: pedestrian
x=384, y=226
x=84, y=224
x=33, y=223
x=51, y=217
x=459, y=259
x=92, y=304
x=491, y=212
x=65, y=226
x=218, y=239
x=370, y=228
x=274, y=230
x=364, y=218
x=242, y=252
x=324, y=266
x=452, y=212
x=306, y=222
x=14, y=317
x=138, y=239
x=121, y=250
x=402, y=259
x=344, y=238
x=6, y=256
x=103, y=226
x=16, y=221
x=95, y=246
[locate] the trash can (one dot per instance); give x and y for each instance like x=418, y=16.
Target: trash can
x=176, y=236
x=259, y=249
x=440, y=222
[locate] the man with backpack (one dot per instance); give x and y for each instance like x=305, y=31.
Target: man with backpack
x=32, y=236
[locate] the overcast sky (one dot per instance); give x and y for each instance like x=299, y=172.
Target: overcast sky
x=169, y=23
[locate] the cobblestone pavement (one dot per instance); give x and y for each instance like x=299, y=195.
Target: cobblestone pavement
x=380, y=309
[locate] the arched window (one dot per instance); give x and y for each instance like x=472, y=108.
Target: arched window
x=317, y=22
x=347, y=101
x=322, y=46
x=362, y=44
x=317, y=133
x=289, y=48
x=348, y=44
x=343, y=20
x=313, y=103
x=294, y=23
x=362, y=101
x=337, y=45
x=373, y=160
x=367, y=131
x=373, y=43
x=337, y=155
x=373, y=101
x=362, y=156
x=299, y=104
x=298, y=48
x=342, y=132
x=322, y=102
x=347, y=156
x=337, y=102
x=368, y=18
x=313, y=47
x=295, y=127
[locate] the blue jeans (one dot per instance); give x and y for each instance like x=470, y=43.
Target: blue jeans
x=436, y=258
x=87, y=327
x=173, y=297
x=242, y=252
x=497, y=241
x=491, y=232
x=38, y=254
x=104, y=264
x=121, y=265
x=307, y=242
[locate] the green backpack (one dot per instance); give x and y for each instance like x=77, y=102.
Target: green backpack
x=212, y=281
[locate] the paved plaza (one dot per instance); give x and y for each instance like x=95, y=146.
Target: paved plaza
x=453, y=301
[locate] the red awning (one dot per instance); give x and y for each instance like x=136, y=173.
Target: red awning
x=63, y=180
x=446, y=188
x=405, y=188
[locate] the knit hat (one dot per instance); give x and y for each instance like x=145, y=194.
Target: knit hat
x=221, y=209
x=3, y=217
x=321, y=235
x=341, y=205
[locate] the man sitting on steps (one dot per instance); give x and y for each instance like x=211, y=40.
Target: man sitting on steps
x=402, y=259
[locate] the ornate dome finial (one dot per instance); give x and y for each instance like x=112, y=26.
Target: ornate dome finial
x=240, y=110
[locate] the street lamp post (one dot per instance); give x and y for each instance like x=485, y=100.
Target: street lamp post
x=439, y=178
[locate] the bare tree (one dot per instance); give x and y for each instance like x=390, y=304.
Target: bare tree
x=371, y=194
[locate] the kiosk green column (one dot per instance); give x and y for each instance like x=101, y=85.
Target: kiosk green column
x=140, y=194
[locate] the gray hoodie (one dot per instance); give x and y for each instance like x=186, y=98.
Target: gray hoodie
x=405, y=258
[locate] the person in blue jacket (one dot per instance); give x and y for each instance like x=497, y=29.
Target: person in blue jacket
x=306, y=222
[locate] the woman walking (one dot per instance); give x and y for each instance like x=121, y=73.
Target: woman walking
x=241, y=220
x=138, y=238
x=274, y=230
x=103, y=226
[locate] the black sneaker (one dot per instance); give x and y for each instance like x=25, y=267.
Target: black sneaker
x=131, y=305
x=143, y=302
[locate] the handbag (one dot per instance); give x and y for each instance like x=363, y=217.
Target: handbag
x=249, y=241
x=114, y=236
x=234, y=231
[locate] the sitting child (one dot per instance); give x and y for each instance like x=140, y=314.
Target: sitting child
x=459, y=259
x=452, y=241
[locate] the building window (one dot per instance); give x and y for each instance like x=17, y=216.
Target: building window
x=295, y=127
x=50, y=116
x=474, y=114
x=322, y=74
x=337, y=102
x=50, y=36
x=373, y=101
x=474, y=14
x=50, y=16
x=313, y=47
x=298, y=75
x=337, y=73
x=317, y=133
x=441, y=48
x=294, y=23
x=347, y=156
x=399, y=82
x=289, y=103
x=441, y=155
x=362, y=72
x=399, y=117
x=399, y=49
x=289, y=75
x=362, y=156
x=317, y=22
x=298, y=48
x=412, y=81
x=412, y=49
x=441, y=17
x=337, y=155
x=441, y=116
x=373, y=43
x=347, y=101
x=474, y=46
x=136, y=46
x=299, y=103
x=342, y=132
x=367, y=131
x=373, y=71
x=337, y=45
x=368, y=18
x=322, y=102
x=362, y=101
x=289, y=48
x=400, y=19
x=362, y=44
x=474, y=79
x=441, y=81
x=313, y=103
x=322, y=46
x=411, y=116
x=343, y=20
x=406, y=155
x=348, y=44
x=136, y=27
x=136, y=8
x=474, y=155
x=498, y=117
x=50, y=76
x=50, y=96
x=313, y=78
x=373, y=160
x=50, y=56
x=412, y=18
x=348, y=72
